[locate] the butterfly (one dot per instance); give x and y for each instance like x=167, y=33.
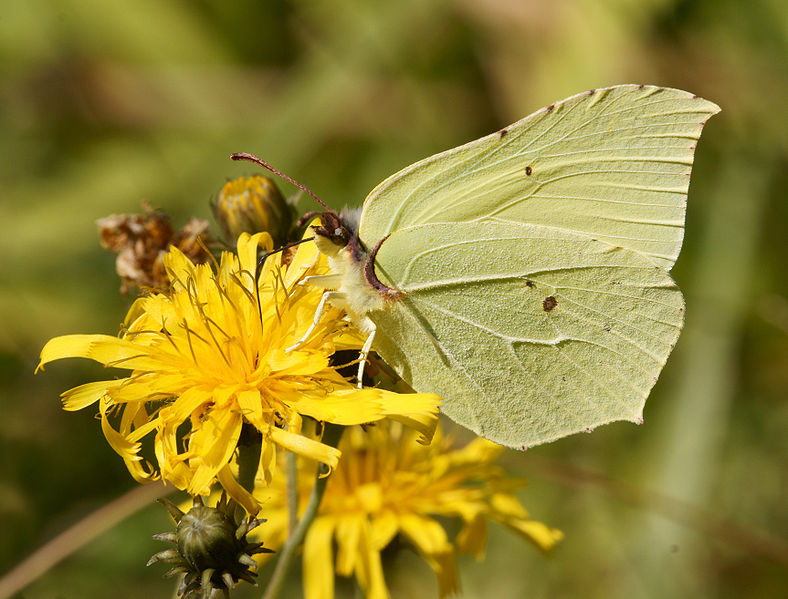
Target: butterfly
x=523, y=276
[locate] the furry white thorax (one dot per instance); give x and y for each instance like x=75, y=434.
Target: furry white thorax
x=352, y=292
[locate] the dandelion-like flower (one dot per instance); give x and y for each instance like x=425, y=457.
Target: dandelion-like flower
x=388, y=484
x=210, y=355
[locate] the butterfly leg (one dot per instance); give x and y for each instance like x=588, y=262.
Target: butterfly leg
x=324, y=281
x=370, y=327
x=321, y=308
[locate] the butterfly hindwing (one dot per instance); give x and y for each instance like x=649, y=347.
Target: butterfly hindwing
x=529, y=333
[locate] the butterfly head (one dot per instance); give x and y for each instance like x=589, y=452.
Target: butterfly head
x=337, y=237
x=339, y=231
x=332, y=234
x=336, y=231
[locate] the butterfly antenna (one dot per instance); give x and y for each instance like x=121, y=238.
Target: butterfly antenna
x=265, y=165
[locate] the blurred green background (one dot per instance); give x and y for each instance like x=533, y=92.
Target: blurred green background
x=107, y=104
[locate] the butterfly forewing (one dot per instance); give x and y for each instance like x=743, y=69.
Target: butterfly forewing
x=613, y=164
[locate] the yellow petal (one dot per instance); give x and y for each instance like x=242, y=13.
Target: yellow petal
x=306, y=447
x=478, y=451
x=370, y=497
x=507, y=504
x=251, y=406
x=445, y=567
x=236, y=491
x=473, y=537
x=137, y=310
x=369, y=570
x=418, y=411
x=359, y=406
x=214, y=442
x=147, y=387
x=540, y=534
x=318, y=561
x=125, y=448
x=187, y=403
x=430, y=539
x=267, y=460
x=305, y=259
x=348, y=534
x=425, y=533
x=75, y=346
x=122, y=353
x=134, y=416
x=384, y=527
x=297, y=363
x=87, y=394
x=179, y=268
x=344, y=407
x=247, y=249
x=172, y=465
x=141, y=431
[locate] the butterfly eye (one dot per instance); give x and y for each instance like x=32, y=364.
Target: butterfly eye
x=333, y=228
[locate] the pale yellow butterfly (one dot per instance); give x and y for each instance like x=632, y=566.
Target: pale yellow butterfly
x=523, y=277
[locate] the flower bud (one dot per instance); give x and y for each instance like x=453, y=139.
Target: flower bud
x=212, y=551
x=252, y=205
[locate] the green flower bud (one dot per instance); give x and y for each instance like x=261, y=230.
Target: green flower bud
x=212, y=553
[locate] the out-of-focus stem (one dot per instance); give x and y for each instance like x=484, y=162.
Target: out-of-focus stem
x=331, y=438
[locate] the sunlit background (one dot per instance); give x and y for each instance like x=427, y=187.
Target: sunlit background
x=104, y=105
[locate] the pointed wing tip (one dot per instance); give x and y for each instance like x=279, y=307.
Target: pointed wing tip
x=711, y=108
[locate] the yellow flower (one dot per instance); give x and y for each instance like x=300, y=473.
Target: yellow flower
x=210, y=355
x=387, y=483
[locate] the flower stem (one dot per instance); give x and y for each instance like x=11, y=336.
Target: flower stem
x=249, y=448
x=331, y=438
x=292, y=491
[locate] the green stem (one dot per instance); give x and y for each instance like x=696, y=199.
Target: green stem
x=292, y=491
x=331, y=438
x=249, y=446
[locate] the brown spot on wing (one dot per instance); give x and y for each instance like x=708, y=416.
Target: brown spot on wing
x=529, y=170
x=549, y=303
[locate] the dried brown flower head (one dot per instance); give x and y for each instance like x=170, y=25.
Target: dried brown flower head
x=141, y=240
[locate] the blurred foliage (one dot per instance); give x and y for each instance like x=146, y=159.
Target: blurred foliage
x=105, y=105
